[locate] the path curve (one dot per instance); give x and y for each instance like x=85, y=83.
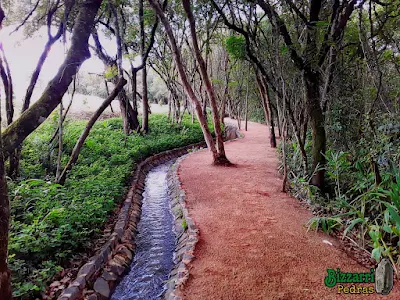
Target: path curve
x=253, y=243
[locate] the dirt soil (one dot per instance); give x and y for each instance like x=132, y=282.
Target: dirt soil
x=253, y=240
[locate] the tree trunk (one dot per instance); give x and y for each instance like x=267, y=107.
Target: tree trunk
x=209, y=88
x=185, y=82
x=272, y=137
x=169, y=105
x=60, y=142
x=145, y=101
x=85, y=133
x=285, y=166
x=317, y=126
x=52, y=96
x=267, y=111
x=247, y=100
x=36, y=73
x=5, y=282
x=129, y=115
x=226, y=90
x=108, y=93
x=63, y=117
x=8, y=86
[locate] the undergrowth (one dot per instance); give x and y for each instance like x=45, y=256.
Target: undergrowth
x=51, y=222
x=362, y=194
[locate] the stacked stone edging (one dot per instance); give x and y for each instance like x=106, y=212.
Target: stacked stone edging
x=186, y=234
x=99, y=276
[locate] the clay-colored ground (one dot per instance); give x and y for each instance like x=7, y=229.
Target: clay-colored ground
x=253, y=243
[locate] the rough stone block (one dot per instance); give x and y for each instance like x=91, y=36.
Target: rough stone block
x=109, y=276
x=79, y=282
x=92, y=297
x=87, y=270
x=384, y=277
x=101, y=287
x=71, y=293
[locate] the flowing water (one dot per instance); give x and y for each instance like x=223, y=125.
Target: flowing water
x=155, y=242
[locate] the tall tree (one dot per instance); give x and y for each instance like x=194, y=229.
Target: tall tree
x=14, y=134
x=179, y=64
x=5, y=283
x=312, y=60
x=145, y=98
x=205, y=78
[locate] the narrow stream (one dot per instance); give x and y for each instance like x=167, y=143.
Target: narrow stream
x=155, y=242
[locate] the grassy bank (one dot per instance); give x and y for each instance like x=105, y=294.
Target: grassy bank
x=51, y=222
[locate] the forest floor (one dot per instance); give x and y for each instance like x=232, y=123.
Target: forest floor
x=253, y=240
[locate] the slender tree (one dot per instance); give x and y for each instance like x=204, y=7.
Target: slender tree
x=79, y=144
x=5, y=283
x=179, y=64
x=209, y=88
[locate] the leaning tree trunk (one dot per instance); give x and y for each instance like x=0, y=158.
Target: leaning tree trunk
x=185, y=82
x=209, y=88
x=78, y=146
x=55, y=90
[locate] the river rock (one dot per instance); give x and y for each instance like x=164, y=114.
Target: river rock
x=384, y=277
x=101, y=287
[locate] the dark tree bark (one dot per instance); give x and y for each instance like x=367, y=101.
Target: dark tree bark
x=247, y=100
x=226, y=90
x=310, y=63
x=5, y=282
x=51, y=97
x=265, y=101
x=5, y=74
x=145, y=99
x=317, y=122
x=78, y=146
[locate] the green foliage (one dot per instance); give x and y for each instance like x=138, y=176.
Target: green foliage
x=51, y=222
x=184, y=224
x=363, y=189
x=236, y=46
x=111, y=72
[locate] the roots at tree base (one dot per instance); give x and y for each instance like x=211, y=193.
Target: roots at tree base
x=222, y=161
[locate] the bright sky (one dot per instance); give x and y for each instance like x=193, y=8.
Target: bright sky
x=23, y=55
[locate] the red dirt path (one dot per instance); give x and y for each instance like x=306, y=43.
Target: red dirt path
x=253, y=243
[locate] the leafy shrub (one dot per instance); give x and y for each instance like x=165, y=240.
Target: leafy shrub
x=51, y=222
x=362, y=197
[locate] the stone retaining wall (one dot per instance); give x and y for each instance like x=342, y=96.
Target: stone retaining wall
x=99, y=276
x=186, y=234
